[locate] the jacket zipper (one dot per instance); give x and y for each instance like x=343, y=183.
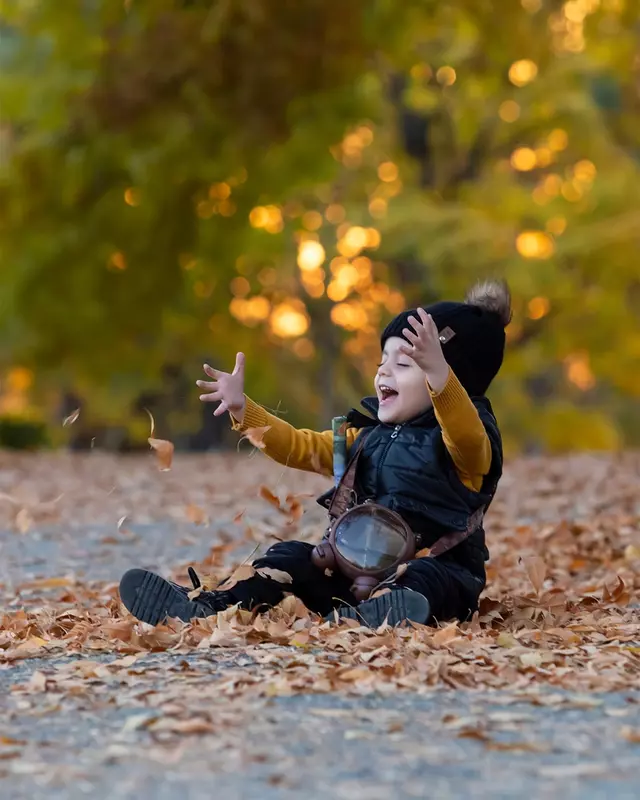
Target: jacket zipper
x=394, y=435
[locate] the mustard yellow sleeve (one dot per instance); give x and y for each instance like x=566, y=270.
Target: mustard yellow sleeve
x=298, y=448
x=463, y=433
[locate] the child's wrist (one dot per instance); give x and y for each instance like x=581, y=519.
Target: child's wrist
x=437, y=378
x=237, y=412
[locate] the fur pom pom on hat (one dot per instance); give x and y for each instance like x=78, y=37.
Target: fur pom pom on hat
x=472, y=333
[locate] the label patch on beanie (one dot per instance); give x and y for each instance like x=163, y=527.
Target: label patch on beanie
x=446, y=334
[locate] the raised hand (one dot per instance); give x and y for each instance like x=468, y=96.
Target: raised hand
x=425, y=349
x=228, y=388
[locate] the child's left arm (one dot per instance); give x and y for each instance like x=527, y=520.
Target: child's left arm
x=463, y=433
x=462, y=430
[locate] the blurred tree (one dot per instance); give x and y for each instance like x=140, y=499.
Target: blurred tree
x=181, y=178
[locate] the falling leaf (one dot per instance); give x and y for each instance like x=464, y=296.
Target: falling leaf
x=275, y=574
x=238, y=517
x=196, y=515
x=328, y=572
x=73, y=416
x=153, y=423
x=37, y=682
x=164, y=449
x=536, y=571
x=269, y=496
x=256, y=436
x=630, y=734
x=24, y=520
x=120, y=528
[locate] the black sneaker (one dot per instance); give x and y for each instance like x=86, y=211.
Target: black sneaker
x=397, y=606
x=151, y=598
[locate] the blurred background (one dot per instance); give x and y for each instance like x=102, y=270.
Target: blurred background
x=183, y=179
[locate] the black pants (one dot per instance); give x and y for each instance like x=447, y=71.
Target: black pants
x=452, y=590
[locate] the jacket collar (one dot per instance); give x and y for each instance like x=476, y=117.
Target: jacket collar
x=425, y=420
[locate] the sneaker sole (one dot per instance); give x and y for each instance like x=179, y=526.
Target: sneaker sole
x=151, y=598
x=396, y=607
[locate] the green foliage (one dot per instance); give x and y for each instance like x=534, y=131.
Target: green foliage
x=22, y=433
x=140, y=136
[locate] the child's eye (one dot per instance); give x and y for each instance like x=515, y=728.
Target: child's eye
x=403, y=365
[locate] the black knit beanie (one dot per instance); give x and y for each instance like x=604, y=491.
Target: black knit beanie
x=472, y=333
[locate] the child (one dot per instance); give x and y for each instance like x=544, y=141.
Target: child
x=431, y=452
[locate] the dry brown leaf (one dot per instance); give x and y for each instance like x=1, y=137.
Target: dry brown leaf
x=275, y=574
x=24, y=520
x=195, y=593
x=266, y=494
x=256, y=436
x=121, y=527
x=73, y=416
x=164, y=450
x=536, y=571
x=153, y=423
x=196, y=515
x=242, y=573
x=37, y=682
x=630, y=734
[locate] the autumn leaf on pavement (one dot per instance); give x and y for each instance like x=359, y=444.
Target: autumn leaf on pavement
x=164, y=450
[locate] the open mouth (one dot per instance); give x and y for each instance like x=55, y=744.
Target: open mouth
x=387, y=394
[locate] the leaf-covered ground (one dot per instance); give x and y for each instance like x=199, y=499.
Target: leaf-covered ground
x=260, y=706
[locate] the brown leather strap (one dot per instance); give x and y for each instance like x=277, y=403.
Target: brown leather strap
x=343, y=495
x=450, y=540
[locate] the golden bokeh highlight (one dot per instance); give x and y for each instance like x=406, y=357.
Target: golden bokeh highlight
x=118, y=261
x=289, y=319
x=446, y=76
x=132, y=196
x=578, y=370
x=558, y=140
x=388, y=172
x=268, y=218
x=311, y=255
x=509, y=111
x=535, y=244
x=523, y=72
x=523, y=159
x=312, y=220
x=538, y=307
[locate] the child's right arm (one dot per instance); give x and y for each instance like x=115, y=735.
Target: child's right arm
x=301, y=449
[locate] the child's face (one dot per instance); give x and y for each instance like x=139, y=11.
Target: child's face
x=400, y=384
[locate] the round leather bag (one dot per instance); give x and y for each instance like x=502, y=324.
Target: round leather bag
x=372, y=540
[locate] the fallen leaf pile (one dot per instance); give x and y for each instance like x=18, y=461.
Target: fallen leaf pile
x=561, y=607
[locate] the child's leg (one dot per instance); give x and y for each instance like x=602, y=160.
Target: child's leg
x=430, y=590
x=152, y=599
x=452, y=591
x=318, y=591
